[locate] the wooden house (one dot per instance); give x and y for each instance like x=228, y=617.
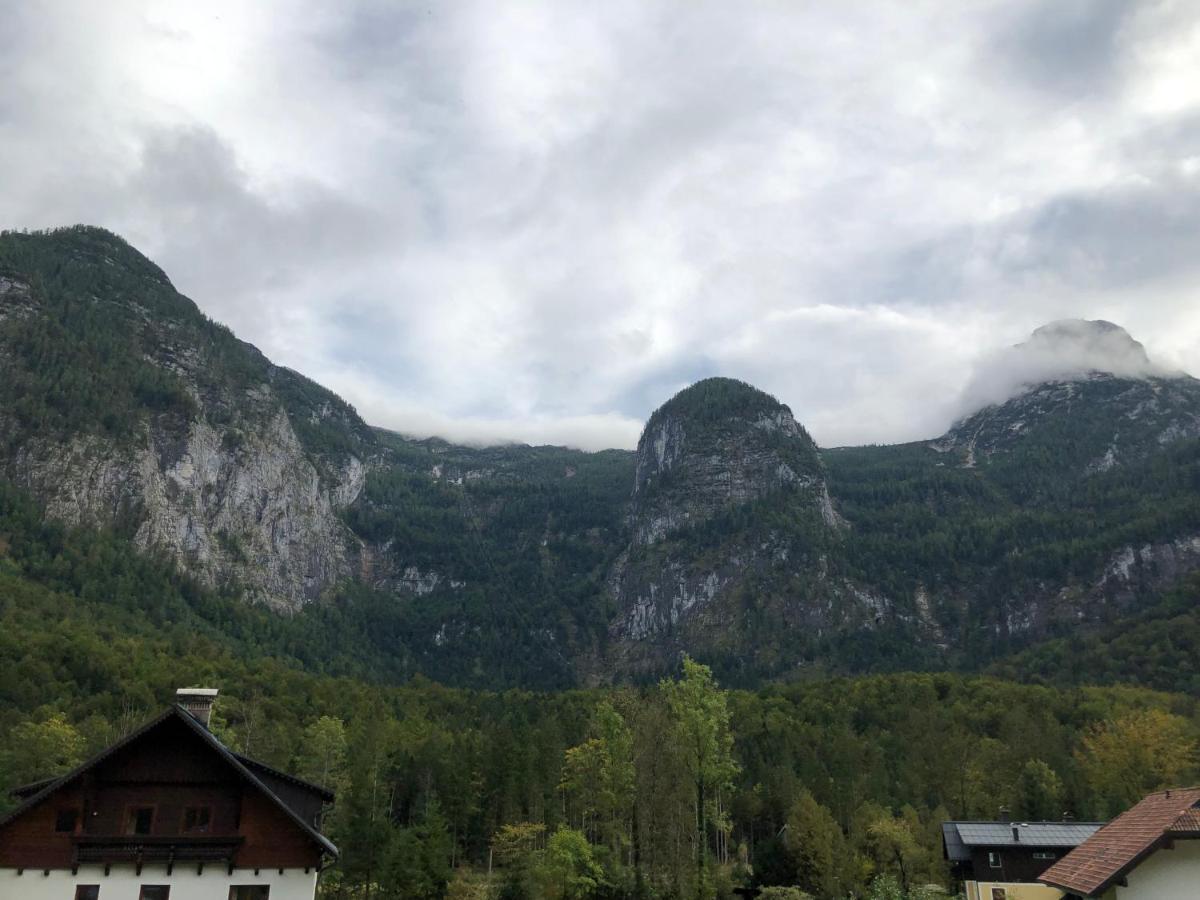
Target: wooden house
x=166, y=813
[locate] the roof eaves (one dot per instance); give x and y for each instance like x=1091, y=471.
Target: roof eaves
x=324, y=792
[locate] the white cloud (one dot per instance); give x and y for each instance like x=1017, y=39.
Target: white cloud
x=537, y=221
x=1065, y=350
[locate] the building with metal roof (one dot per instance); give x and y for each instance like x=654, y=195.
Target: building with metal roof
x=1003, y=859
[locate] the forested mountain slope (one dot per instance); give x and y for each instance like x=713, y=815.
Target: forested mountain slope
x=1060, y=512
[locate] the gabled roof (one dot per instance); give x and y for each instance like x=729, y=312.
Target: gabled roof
x=239, y=765
x=959, y=837
x=1117, y=848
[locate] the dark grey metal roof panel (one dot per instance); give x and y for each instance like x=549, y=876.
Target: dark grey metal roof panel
x=956, y=850
x=1030, y=834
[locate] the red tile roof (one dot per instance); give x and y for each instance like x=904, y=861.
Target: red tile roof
x=1119, y=846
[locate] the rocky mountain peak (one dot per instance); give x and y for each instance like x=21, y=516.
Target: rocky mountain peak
x=1089, y=346
x=1084, y=392
x=716, y=444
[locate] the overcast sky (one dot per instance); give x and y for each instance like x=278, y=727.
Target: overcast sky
x=536, y=221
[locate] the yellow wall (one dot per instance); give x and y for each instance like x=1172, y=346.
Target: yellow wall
x=982, y=890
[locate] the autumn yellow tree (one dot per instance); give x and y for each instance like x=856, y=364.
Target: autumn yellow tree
x=1126, y=758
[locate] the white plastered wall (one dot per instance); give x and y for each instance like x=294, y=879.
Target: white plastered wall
x=1166, y=875
x=122, y=883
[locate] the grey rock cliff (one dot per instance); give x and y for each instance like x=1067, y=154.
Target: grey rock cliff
x=705, y=460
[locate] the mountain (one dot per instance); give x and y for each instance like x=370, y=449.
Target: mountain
x=729, y=497
x=1074, y=417
x=121, y=404
x=1064, y=503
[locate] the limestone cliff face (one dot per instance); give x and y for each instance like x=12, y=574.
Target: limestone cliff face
x=258, y=514
x=692, y=468
x=729, y=492
x=218, y=478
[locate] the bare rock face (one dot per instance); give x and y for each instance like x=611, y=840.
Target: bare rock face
x=711, y=463
x=221, y=481
x=259, y=515
x=716, y=445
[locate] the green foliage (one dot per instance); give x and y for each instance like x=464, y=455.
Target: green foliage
x=568, y=869
x=40, y=749
x=998, y=534
x=713, y=401
x=1141, y=751
x=817, y=845
x=417, y=862
x=110, y=345
x=1157, y=646
x=1039, y=793
x=701, y=716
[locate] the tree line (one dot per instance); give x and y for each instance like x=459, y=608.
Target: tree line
x=830, y=789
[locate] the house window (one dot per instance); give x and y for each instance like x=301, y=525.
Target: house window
x=87, y=892
x=993, y=859
x=249, y=892
x=999, y=894
x=196, y=819
x=155, y=892
x=1044, y=855
x=65, y=821
x=139, y=820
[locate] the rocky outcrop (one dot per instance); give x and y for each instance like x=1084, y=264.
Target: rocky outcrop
x=257, y=514
x=15, y=298
x=1112, y=420
x=1085, y=390
x=739, y=446
x=236, y=469
x=706, y=460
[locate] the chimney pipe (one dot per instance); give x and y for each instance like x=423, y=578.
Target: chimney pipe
x=1016, y=834
x=1004, y=814
x=198, y=702
x=1068, y=816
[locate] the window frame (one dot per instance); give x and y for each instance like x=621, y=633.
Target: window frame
x=207, y=829
x=93, y=888
x=235, y=888
x=994, y=861
x=166, y=895
x=73, y=811
x=130, y=820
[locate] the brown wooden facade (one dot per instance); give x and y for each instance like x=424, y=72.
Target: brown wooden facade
x=170, y=793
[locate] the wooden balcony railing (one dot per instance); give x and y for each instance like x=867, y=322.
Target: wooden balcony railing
x=141, y=848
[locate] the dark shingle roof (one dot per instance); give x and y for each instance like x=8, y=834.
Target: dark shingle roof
x=1117, y=848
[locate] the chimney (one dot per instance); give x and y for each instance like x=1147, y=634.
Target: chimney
x=1016, y=834
x=1004, y=814
x=198, y=702
x=1068, y=816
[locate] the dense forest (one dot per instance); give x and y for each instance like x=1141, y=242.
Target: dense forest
x=834, y=787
